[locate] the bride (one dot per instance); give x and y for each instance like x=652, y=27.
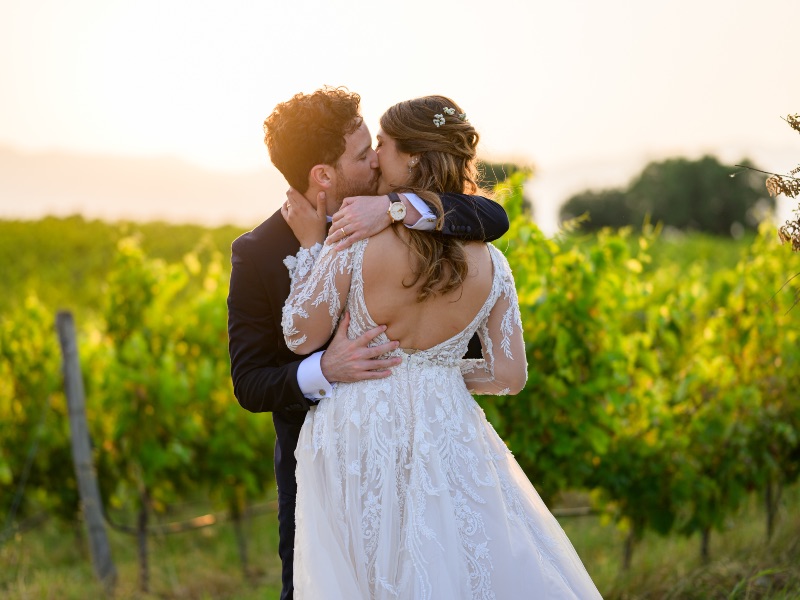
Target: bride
x=405, y=491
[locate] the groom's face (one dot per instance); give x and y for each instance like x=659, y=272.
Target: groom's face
x=357, y=168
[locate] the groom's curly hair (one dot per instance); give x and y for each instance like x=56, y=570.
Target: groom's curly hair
x=308, y=130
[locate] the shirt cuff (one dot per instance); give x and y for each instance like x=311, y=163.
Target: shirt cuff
x=310, y=378
x=427, y=221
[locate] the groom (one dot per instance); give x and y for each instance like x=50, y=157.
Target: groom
x=322, y=147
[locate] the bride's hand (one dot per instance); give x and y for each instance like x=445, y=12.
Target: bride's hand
x=307, y=223
x=359, y=217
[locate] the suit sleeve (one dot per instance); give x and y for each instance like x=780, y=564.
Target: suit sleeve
x=473, y=218
x=260, y=382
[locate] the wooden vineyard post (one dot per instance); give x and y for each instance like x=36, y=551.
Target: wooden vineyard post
x=91, y=503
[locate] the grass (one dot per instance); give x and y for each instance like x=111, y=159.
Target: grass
x=51, y=562
x=742, y=566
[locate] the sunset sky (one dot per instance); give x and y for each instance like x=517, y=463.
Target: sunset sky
x=586, y=91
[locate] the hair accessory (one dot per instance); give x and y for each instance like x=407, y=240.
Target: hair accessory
x=438, y=119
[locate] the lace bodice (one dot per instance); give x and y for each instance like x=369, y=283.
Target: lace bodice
x=324, y=282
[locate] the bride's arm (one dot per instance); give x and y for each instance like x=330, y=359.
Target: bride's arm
x=320, y=280
x=465, y=217
x=504, y=368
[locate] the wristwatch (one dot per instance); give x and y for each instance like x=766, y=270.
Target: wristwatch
x=397, y=210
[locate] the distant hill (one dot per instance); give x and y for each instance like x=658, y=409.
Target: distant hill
x=112, y=188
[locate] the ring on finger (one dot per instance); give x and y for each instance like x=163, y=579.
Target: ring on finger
x=344, y=233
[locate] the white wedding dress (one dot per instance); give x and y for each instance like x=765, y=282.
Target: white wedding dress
x=405, y=491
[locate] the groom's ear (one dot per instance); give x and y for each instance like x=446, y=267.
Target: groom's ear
x=321, y=176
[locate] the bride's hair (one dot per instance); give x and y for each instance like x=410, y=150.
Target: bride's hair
x=436, y=131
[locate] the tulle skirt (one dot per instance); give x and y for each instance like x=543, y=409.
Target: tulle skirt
x=405, y=491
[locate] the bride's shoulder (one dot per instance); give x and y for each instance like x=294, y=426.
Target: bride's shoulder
x=388, y=239
x=480, y=251
x=386, y=251
x=496, y=253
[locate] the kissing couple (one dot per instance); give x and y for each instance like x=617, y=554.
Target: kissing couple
x=363, y=315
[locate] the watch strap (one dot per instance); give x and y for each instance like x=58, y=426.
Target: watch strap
x=394, y=197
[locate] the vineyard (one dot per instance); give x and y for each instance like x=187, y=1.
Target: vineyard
x=663, y=377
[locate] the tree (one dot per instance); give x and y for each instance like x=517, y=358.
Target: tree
x=492, y=173
x=702, y=195
x=606, y=208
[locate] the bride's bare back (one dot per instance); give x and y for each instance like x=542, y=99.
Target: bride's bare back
x=367, y=279
x=388, y=264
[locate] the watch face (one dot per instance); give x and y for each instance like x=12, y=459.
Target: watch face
x=397, y=211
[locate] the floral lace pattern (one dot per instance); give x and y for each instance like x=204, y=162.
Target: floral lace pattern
x=404, y=488
x=299, y=267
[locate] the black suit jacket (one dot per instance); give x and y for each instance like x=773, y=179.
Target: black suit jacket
x=263, y=369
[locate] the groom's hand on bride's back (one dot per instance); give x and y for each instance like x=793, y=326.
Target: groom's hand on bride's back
x=349, y=360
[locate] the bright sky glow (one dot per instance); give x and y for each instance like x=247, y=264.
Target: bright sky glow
x=569, y=86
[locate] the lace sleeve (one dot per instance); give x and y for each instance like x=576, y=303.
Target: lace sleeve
x=503, y=368
x=320, y=279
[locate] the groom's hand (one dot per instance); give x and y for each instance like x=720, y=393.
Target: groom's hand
x=362, y=216
x=349, y=360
